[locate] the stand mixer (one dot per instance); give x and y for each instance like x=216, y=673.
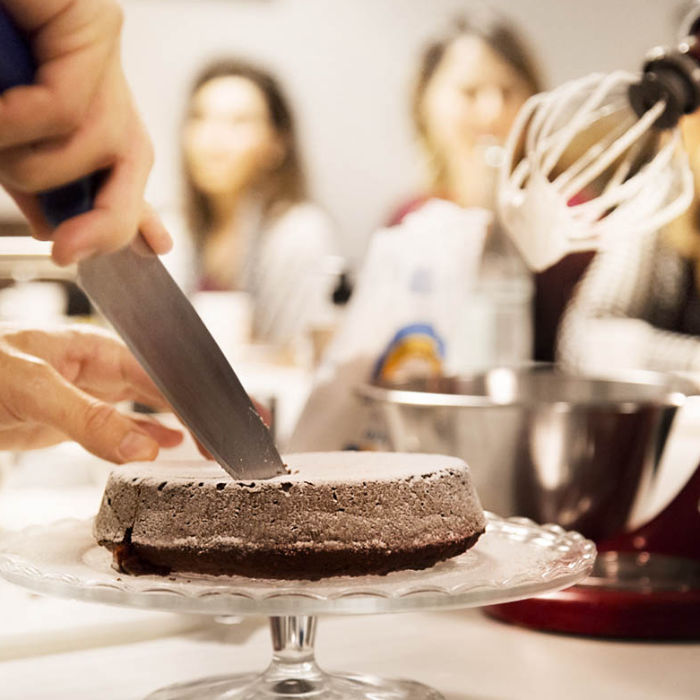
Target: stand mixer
x=628, y=165
x=588, y=453
x=645, y=582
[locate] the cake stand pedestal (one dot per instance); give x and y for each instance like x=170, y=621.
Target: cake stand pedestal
x=293, y=673
x=514, y=559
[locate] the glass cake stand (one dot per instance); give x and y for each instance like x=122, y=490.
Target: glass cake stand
x=514, y=559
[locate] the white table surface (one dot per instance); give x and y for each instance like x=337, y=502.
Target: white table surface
x=463, y=654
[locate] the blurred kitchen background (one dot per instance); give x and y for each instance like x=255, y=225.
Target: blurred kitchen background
x=348, y=67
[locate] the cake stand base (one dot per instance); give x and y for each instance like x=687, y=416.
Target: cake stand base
x=324, y=686
x=293, y=673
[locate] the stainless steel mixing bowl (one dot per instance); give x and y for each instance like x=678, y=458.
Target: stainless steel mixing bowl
x=580, y=451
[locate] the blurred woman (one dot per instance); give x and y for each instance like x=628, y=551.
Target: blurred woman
x=247, y=209
x=471, y=84
x=638, y=306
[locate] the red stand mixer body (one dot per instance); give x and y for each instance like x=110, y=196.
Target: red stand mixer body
x=673, y=532
x=645, y=585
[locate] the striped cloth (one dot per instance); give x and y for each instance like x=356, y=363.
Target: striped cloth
x=637, y=307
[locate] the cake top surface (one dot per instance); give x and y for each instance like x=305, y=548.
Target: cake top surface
x=317, y=467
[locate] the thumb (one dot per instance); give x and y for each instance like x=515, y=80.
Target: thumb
x=96, y=425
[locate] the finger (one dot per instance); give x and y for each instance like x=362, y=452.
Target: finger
x=35, y=436
x=72, y=43
x=202, y=450
x=95, y=361
x=49, y=164
x=117, y=212
x=109, y=370
x=29, y=206
x=153, y=230
x=151, y=226
x=100, y=230
x=39, y=112
x=104, y=133
x=29, y=437
x=44, y=396
x=264, y=413
x=164, y=436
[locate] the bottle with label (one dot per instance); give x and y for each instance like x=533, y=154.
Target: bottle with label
x=497, y=322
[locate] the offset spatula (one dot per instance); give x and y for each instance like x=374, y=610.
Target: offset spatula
x=139, y=297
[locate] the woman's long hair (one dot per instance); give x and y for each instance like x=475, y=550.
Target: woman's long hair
x=286, y=184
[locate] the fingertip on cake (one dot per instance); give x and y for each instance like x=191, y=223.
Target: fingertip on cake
x=334, y=513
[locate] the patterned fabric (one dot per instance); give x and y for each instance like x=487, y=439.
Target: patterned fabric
x=554, y=288
x=637, y=307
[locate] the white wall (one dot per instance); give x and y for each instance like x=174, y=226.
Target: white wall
x=348, y=66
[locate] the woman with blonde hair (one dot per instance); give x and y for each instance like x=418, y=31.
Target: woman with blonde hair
x=471, y=83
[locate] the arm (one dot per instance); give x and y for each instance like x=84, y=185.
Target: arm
x=606, y=326
x=77, y=118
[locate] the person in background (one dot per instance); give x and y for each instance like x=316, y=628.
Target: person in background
x=638, y=306
x=471, y=83
x=247, y=209
x=76, y=118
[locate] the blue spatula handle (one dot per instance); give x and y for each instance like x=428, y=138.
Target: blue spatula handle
x=17, y=67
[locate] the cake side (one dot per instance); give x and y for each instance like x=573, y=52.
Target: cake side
x=292, y=526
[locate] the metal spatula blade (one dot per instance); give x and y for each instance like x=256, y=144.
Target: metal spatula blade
x=138, y=296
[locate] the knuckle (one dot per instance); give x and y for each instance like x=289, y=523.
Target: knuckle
x=113, y=16
x=23, y=173
x=41, y=373
x=98, y=416
x=31, y=380
x=67, y=115
x=149, y=153
x=108, y=19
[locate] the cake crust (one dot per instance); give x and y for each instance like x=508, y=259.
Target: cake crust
x=333, y=514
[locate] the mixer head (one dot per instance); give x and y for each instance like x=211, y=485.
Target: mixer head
x=583, y=169
x=599, y=159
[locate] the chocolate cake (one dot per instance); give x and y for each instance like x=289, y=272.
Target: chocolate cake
x=335, y=513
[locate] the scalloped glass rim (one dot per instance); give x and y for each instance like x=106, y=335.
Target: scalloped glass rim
x=514, y=559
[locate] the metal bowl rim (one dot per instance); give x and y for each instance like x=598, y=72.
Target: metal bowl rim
x=672, y=397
